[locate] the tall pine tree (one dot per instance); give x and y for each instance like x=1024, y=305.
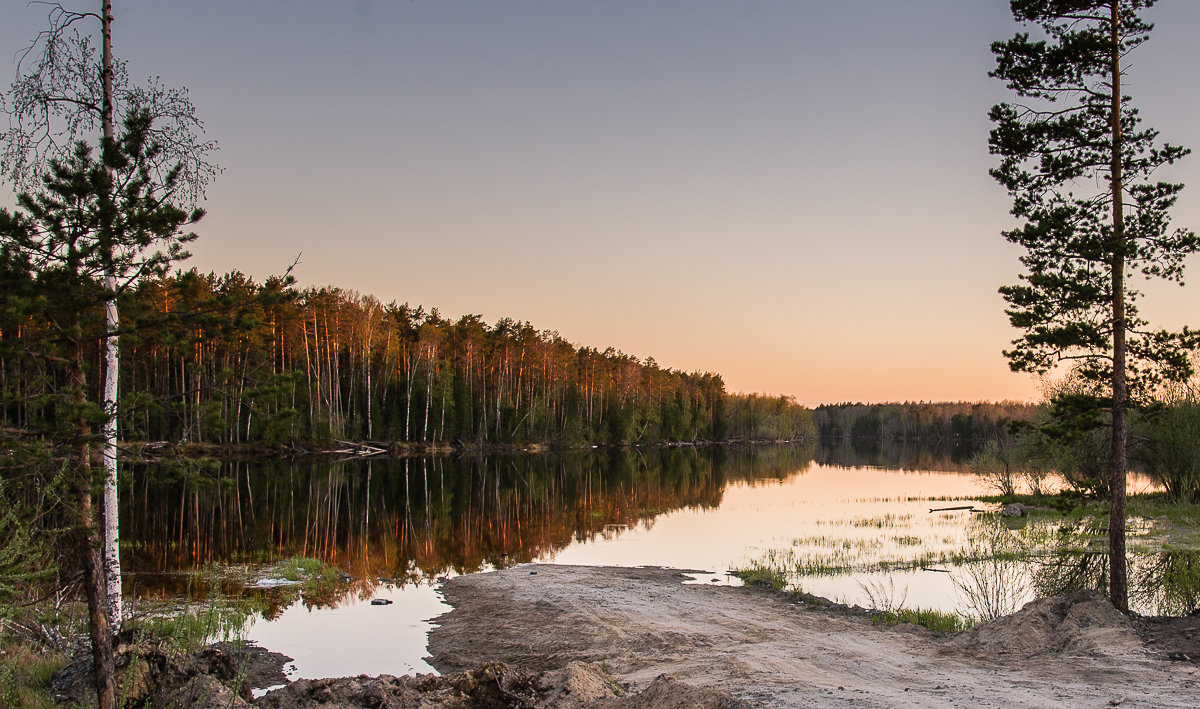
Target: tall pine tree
x=1079, y=166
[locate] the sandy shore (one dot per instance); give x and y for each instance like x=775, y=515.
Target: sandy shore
x=764, y=647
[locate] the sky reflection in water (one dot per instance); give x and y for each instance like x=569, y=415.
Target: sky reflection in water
x=865, y=508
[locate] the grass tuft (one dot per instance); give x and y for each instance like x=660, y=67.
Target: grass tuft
x=758, y=574
x=933, y=620
x=25, y=677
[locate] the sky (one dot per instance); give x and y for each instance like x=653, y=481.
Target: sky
x=792, y=194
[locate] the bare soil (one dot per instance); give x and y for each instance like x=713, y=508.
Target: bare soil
x=770, y=649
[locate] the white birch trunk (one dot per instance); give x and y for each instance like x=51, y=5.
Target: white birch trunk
x=112, y=363
x=112, y=534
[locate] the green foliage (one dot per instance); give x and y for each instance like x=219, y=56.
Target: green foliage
x=270, y=364
x=220, y=616
x=995, y=464
x=1172, y=452
x=26, y=549
x=912, y=421
x=36, y=512
x=300, y=567
x=1072, y=127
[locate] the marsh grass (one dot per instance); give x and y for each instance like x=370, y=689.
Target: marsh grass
x=762, y=574
x=231, y=603
x=885, y=521
x=221, y=616
x=996, y=564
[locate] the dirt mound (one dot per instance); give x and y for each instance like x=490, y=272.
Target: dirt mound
x=152, y=673
x=495, y=686
x=492, y=685
x=666, y=692
x=1083, y=622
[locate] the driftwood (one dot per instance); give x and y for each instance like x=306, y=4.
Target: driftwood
x=357, y=450
x=951, y=509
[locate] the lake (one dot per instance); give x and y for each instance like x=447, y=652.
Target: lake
x=861, y=525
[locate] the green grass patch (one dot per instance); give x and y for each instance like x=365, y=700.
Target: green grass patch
x=218, y=619
x=933, y=620
x=759, y=574
x=300, y=568
x=25, y=677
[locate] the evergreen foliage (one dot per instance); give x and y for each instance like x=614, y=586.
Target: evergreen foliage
x=1071, y=130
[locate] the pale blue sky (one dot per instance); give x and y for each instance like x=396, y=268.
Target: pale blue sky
x=791, y=193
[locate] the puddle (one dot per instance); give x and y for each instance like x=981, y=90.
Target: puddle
x=355, y=637
x=708, y=578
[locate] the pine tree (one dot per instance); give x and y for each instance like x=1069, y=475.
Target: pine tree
x=1074, y=129
x=90, y=219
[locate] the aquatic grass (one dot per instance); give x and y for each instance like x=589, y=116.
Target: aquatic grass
x=762, y=574
x=917, y=498
x=882, y=521
x=843, y=543
x=219, y=617
x=231, y=602
x=216, y=620
x=994, y=564
x=299, y=568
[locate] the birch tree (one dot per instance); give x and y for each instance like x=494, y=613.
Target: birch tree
x=88, y=220
x=63, y=94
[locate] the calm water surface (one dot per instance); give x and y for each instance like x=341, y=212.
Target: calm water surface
x=852, y=525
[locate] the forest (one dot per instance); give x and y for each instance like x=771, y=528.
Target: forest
x=922, y=421
x=226, y=360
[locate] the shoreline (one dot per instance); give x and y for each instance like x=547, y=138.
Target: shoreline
x=145, y=451
x=767, y=648
x=544, y=635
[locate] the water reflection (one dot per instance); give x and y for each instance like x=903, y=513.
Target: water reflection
x=411, y=520
x=866, y=525
x=1005, y=566
x=891, y=454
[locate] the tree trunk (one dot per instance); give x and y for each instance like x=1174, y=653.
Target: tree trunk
x=112, y=362
x=1118, y=583
x=100, y=630
x=85, y=546
x=428, y=397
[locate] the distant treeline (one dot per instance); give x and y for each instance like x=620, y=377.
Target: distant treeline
x=933, y=421
x=226, y=360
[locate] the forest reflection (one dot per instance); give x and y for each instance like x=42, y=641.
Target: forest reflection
x=411, y=520
x=893, y=454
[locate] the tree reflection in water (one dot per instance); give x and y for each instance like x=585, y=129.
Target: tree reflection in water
x=407, y=521
x=1005, y=568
